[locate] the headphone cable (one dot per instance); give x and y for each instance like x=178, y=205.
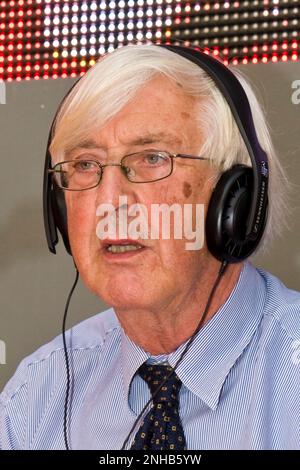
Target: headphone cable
x=67, y=362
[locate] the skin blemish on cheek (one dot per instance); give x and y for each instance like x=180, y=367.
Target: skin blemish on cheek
x=187, y=189
x=185, y=115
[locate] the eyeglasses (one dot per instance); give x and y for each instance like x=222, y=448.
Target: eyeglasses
x=140, y=167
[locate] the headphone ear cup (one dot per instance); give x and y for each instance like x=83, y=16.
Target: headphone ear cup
x=227, y=215
x=59, y=209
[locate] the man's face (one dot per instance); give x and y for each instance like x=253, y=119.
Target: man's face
x=153, y=276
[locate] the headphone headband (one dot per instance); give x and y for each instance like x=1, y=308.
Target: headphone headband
x=239, y=105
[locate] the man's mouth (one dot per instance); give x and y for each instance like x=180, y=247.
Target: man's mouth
x=122, y=248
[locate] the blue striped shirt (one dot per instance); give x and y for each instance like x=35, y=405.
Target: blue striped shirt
x=241, y=379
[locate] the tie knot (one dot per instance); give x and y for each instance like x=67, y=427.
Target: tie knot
x=154, y=375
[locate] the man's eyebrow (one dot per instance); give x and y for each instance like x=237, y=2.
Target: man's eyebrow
x=153, y=138
x=141, y=140
x=86, y=144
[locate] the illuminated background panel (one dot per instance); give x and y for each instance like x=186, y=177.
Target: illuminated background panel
x=55, y=38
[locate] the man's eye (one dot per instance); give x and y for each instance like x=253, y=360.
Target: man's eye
x=84, y=166
x=155, y=159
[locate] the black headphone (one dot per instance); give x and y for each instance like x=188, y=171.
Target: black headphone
x=237, y=211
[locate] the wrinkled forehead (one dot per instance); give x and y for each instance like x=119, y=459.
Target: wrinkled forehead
x=159, y=112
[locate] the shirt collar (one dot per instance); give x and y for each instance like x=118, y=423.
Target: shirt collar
x=218, y=344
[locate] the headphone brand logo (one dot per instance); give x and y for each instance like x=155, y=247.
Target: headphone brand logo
x=260, y=207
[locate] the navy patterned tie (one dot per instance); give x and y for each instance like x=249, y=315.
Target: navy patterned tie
x=161, y=428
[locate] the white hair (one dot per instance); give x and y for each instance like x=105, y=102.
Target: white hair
x=116, y=77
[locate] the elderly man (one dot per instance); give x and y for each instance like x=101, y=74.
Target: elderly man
x=144, y=114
